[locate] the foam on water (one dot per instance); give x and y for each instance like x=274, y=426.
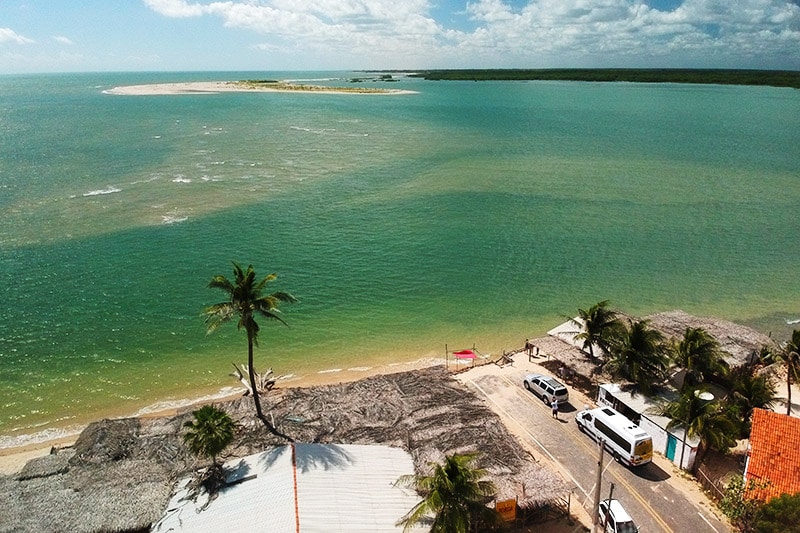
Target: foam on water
x=99, y=192
x=468, y=213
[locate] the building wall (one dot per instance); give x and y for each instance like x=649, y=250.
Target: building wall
x=609, y=394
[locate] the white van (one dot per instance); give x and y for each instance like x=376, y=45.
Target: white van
x=627, y=442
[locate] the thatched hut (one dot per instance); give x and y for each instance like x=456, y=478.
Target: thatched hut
x=739, y=343
x=120, y=473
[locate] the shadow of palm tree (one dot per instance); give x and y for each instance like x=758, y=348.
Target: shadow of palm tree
x=321, y=456
x=309, y=457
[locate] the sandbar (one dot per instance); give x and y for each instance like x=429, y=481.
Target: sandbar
x=216, y=87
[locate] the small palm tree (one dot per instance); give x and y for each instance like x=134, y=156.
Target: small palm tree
x=700, y=355
x=598, y=324
x=209, y=433
x=638, y=354
x=455, y=495
x=246, y=300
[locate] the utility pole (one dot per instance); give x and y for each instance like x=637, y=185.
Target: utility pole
x=596, y=504
x=605, y=516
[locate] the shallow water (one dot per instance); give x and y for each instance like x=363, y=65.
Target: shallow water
x=466, y=214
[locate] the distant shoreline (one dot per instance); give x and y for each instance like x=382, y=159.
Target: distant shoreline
x=215, y=87
x=772, y=78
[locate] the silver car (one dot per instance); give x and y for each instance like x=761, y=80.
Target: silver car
x=547, y=388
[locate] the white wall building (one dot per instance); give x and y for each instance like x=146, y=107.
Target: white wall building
x=641, y=410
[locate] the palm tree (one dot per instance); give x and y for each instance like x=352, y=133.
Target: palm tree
x=598, y=324
x=455, y=494
x=206, y=436
x=750, y=391
x=638, y=355
x=701, y=418
x=700, y=355
x=246, y=301
x=209, y=433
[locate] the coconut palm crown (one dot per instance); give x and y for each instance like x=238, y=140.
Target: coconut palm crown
x=598, y=324
x=700, y=355
x=455, y=495
x=209, y=433
x=638, y=354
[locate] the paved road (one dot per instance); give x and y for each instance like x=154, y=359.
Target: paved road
x=648, y=492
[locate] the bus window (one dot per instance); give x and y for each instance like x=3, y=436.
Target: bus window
x=643, y=448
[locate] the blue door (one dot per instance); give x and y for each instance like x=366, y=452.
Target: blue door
x=672, y=443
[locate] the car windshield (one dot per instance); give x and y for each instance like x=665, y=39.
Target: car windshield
x=626, y=527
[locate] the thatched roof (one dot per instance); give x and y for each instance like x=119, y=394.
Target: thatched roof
x=737, y=341
x=120, y=473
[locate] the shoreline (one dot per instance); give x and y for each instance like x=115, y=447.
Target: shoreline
x=216, y=87
x=15, y=450
x=33, y=445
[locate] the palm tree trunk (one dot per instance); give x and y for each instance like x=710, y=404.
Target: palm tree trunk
x=789, y=388
x=252, y=373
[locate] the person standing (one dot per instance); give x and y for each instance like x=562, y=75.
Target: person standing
x=554, y=405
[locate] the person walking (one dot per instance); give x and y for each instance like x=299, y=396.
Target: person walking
x=554, y=405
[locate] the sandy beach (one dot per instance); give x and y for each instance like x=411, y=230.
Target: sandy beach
x=736, y=339
x=216, y=87
x=12, y=459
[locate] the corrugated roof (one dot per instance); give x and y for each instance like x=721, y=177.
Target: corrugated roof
x=774, y=454
x=345, y=488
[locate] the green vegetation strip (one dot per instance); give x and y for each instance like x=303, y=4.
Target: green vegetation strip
x=774, y=78
x=286, y=86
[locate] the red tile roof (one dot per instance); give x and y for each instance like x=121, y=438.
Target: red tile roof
x=774, y=454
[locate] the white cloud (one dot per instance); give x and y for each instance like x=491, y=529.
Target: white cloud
x=175, y=8
x=392, y=33
x=7, y=35
x=63, y=40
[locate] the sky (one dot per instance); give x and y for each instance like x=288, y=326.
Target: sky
x=38, y=36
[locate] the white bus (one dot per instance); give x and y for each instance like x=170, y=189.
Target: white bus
x=627, y=442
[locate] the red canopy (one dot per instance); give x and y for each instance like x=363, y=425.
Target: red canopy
x=464, y=354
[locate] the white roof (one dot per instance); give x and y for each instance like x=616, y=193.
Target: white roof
x=647, y=407
x=319, y=487
x=567, y=332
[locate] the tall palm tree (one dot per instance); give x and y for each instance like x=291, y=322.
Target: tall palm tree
x=246, y=300
x=455, y=494
x=209, y=433
x=598, y=324
x=638, y=354
x=700, y=355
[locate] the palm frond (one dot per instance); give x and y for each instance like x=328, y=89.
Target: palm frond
x=218, y=314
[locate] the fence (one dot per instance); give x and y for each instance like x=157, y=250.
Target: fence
x=715, y=488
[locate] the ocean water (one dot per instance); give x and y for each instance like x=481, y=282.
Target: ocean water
x=465, y=214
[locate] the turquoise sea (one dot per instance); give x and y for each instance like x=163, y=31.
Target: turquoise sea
x=463, y=214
